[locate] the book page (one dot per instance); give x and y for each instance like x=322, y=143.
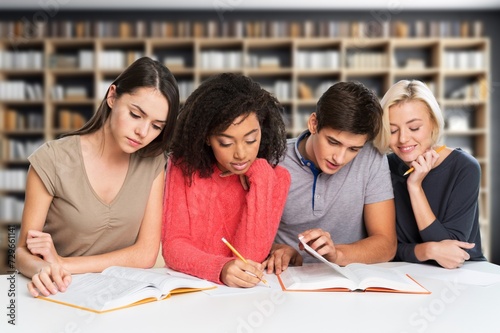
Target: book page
x=383, y=277
x=314, y=277
x=100, y=293
x=341, y=270
x=365, y=276
x=162, y=280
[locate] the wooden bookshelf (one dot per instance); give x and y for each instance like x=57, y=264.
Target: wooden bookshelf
x=56, y=83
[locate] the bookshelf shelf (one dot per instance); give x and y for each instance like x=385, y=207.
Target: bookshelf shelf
x=268, y=71
x=22, y=132
x=296, y=62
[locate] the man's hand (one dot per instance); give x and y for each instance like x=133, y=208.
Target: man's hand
x=320, y=241
x=281, y=257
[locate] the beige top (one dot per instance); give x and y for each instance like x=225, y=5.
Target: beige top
x=79, y=222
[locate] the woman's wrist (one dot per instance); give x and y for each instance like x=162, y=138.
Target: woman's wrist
x=424, y=251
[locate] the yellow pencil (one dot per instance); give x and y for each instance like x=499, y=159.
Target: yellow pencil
x=236, y=253
x=410, y=170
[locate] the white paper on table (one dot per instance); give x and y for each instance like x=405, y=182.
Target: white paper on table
x=461, y=275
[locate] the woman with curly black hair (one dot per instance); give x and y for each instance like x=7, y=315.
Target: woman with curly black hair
x=222, y=181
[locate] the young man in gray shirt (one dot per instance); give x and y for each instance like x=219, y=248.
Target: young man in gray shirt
x=340, y=201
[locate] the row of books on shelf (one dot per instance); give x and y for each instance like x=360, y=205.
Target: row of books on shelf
x=421, y=29
x=12, y=180
x=214, y=59
x=82, y=59
x=267, y=61
x=307, y=92
x=469, y=92
x=239, y=28
x=15, y=120
x=472, y=91
x=30, y=59
x=20, y=90
x=19, y=121
x=464, y=59
x=33, y=120
x=60, y=92
x=119, y=59
x=185, y=89
x=18, y=150
x=367, y=60
x=70, y=119
x=318, y=59
x=279, y=88
x=11, y=208
x=330, y=59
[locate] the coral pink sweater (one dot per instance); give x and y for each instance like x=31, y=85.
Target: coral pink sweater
x=196, y=217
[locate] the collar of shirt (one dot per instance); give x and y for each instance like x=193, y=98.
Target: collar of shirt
x=315, y=171
x=305, y=161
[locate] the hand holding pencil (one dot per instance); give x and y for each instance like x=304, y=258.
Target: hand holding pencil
x=236, y=253
x=410, y=170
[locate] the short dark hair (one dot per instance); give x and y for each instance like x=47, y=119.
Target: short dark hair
x=212, y=108
x=144, y=72
x=350, y=107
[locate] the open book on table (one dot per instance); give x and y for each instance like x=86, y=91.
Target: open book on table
x=327, y=276
x=120, y=287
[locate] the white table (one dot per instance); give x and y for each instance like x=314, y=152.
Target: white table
x=452, y=307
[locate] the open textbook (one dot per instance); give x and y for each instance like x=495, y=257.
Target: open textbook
x=120, y=287
x=327, y=276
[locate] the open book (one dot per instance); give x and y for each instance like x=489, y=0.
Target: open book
x=327, y=276
x=120, y=287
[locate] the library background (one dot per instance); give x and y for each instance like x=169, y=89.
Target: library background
x=56, y=67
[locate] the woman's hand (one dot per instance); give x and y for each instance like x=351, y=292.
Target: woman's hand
x=50, y=279
x=237, y=273
x=450, y=253
x=41, y=244
x=422, y=165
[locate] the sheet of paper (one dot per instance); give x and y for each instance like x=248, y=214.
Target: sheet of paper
x=461, y=275
x=225, y=290
x=222, y=290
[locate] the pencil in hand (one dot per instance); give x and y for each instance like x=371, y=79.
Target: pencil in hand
x=236, y=253
x=410, y=170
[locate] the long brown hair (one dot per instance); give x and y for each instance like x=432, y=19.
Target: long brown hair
x=144, y=72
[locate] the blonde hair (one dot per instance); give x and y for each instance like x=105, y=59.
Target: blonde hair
x=402, y=92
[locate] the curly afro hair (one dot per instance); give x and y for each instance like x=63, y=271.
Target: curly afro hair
x=211, y=108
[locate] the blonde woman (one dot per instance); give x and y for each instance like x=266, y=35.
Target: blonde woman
x=437, y=208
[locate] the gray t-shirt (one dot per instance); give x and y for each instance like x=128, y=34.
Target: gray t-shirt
x=339, y=199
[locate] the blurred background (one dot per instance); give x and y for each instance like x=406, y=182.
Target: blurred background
x=57, y=58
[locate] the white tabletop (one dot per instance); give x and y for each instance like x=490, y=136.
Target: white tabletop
x=463, y=300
